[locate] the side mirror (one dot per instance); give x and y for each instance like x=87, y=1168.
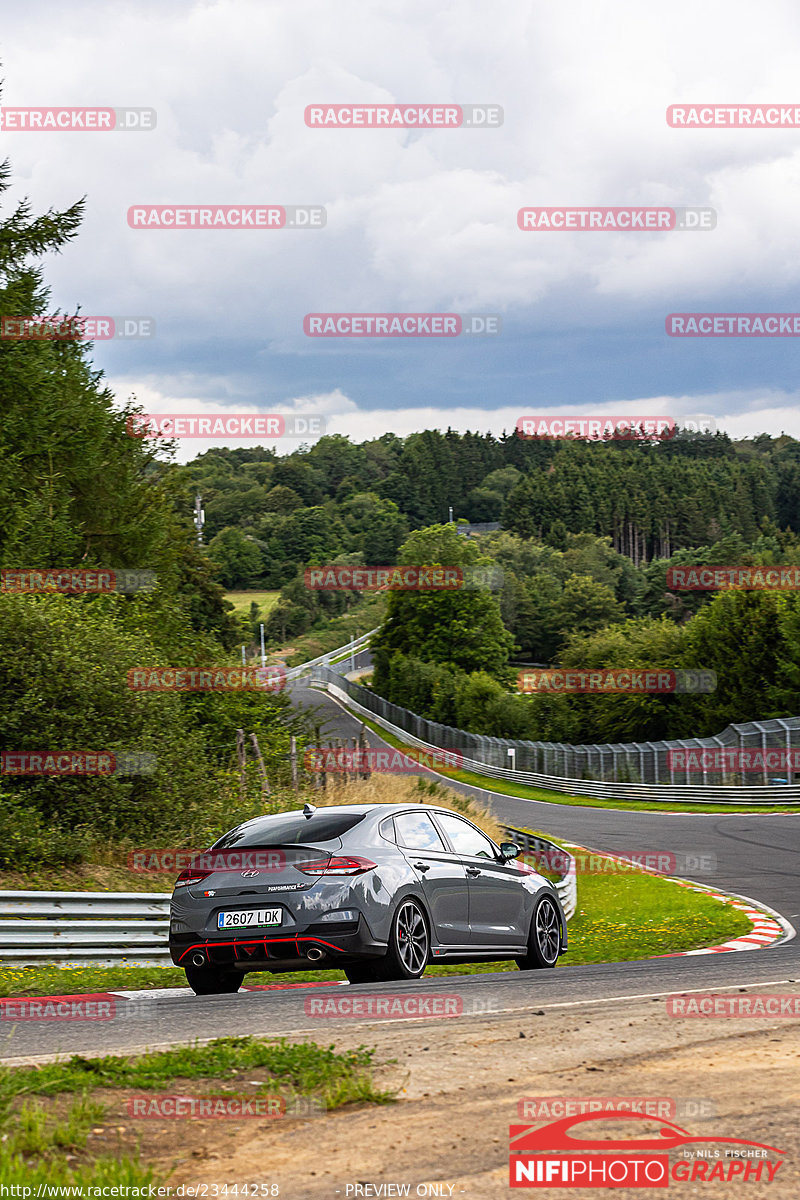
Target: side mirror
x=509, y=850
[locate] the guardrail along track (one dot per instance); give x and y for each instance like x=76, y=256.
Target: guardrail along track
x=112, y=929
x=84, y=929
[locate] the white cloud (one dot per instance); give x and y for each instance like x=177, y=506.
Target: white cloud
x=743, y=414
x=415, y=221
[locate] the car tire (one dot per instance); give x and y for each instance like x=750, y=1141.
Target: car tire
x=408, y=950
x=544, y=939
x=212, y=981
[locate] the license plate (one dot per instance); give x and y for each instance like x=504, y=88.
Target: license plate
x=247, y=918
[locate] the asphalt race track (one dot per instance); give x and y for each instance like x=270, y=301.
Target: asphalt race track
x=756, y=856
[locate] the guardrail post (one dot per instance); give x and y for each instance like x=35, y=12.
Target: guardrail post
x=240, y=754
x=293, y=758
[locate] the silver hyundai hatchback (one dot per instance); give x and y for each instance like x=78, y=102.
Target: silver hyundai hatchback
x=378, y=890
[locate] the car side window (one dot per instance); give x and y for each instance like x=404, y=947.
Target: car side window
x=466, y=839
x=386, y=830
x=416, y=831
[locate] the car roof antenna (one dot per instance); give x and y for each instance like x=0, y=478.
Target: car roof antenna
x=309, y=810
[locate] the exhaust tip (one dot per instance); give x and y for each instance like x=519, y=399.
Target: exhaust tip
x=315, y=954
x=198, y=959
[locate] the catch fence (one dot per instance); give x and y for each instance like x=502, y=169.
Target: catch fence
x=630, y=771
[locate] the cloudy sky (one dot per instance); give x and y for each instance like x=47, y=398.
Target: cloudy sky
x=422, y=221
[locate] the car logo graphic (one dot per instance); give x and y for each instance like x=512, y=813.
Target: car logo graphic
x=249, y=874
x=556, y=1136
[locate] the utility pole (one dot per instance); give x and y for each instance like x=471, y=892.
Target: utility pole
x=263, y=655
x=451, y=514
x=199, y=517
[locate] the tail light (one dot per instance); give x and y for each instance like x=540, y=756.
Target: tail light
x=349, y=864
x=191, y=875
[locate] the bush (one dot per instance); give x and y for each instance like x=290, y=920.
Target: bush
x=25, y=840
x=63, y=687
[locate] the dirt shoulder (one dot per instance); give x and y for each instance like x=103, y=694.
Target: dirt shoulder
x=459, y=1082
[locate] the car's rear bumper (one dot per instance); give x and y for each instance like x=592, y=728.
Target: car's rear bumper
x=276, y=952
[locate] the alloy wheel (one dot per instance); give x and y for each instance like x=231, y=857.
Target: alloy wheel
x=548, y=930
x=412, y=938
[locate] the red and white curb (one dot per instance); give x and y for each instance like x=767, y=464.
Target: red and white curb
x=246, y=987
x=768, y=926
x=100, y=1005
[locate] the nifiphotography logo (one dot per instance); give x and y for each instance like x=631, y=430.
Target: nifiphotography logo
x=641, y=1160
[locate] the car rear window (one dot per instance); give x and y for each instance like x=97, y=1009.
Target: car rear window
x=287, y=829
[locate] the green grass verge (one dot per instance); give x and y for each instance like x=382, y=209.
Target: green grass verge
x=290, y=1068
x=67, y=981
x=241, y=602
x=88, y=877
x=663, y=919
x=36, y=1136
x=503, y=787
x=54, y=1172
x=362, y=617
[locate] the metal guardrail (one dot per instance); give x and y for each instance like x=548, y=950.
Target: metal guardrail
x=361, y=700
x=567, y=885
x=85, y=929
x=326, y=659
x=129, y=929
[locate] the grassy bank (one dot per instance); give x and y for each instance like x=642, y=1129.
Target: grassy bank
x=337, y=631
x=73, y=1123
x=241, y=602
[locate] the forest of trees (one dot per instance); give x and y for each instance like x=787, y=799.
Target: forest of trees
x=589, y=530
x=77, y=491
x=267, y=515
x=446, y=657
